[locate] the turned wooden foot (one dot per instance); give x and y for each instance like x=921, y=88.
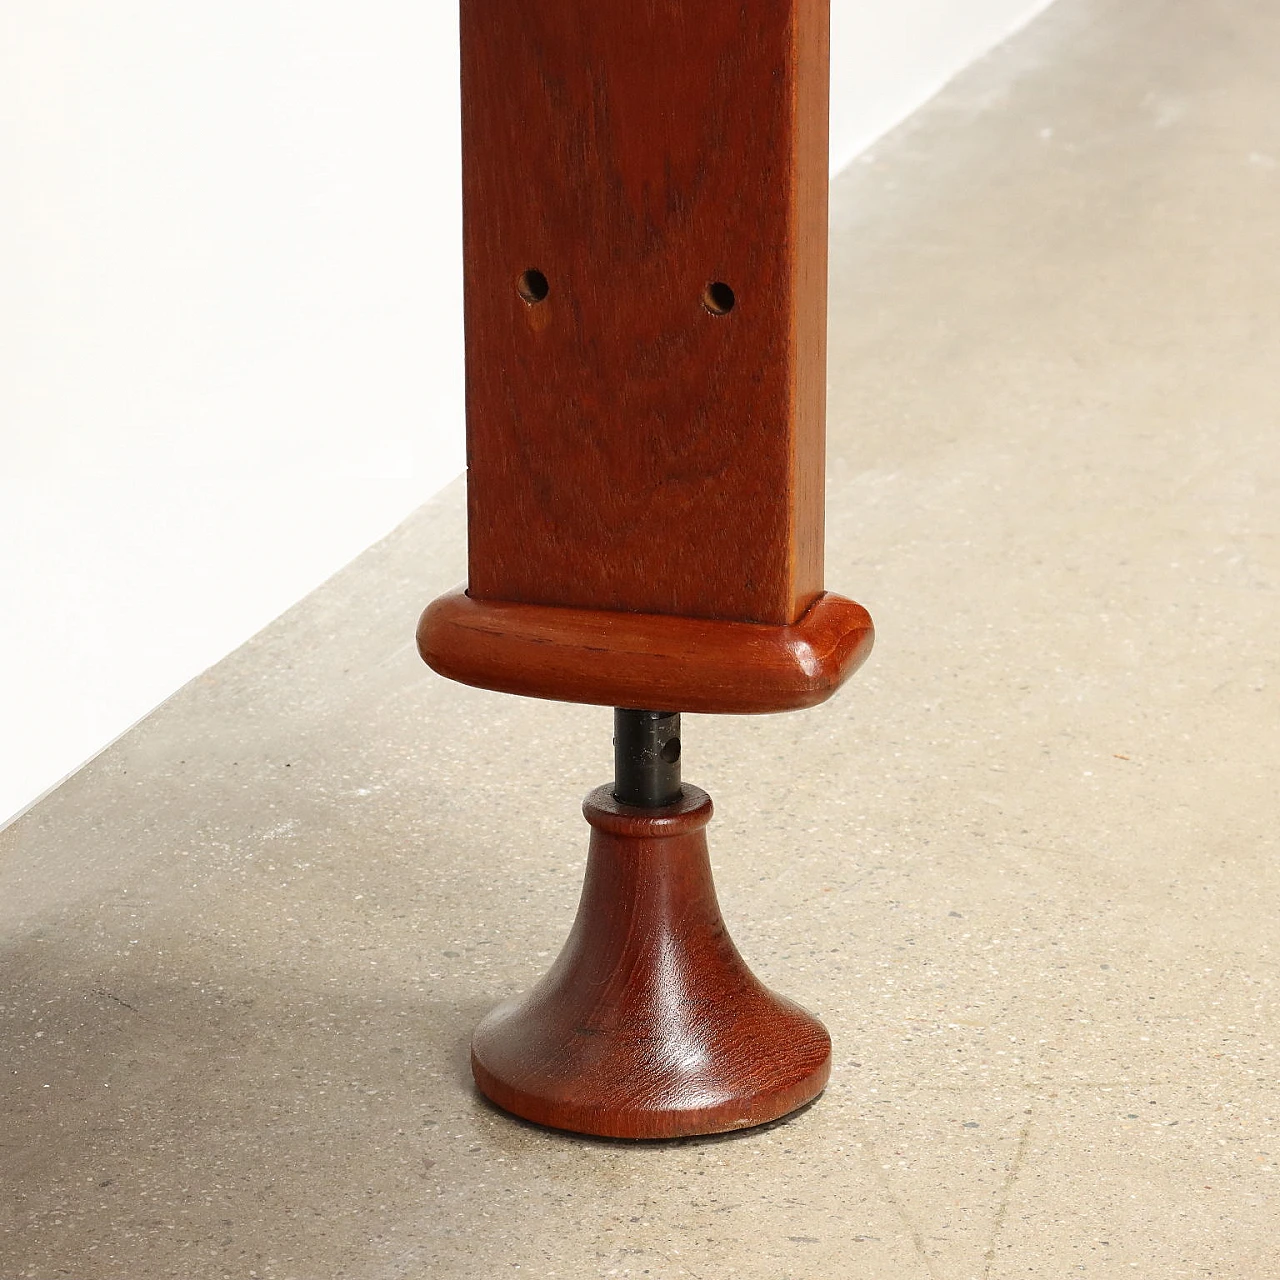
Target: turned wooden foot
x=649, y=1024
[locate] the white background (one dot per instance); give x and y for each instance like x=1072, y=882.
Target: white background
x=230, y=317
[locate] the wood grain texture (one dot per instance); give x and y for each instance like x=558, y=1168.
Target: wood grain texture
x=646, y=660
x=628, y=449
x=649, y=1024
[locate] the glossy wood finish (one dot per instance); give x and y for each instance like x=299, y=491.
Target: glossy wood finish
x=635, y=659
x=633, y=446
x=645, y=239
x=649, y=1024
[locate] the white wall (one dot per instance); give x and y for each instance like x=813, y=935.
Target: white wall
x=230, y=345
x=230, y=334
x=889, y=58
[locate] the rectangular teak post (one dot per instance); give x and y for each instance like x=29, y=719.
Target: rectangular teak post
x=644, y=213
x=644, y=224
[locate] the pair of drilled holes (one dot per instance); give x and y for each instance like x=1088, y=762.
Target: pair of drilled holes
x=533, y=287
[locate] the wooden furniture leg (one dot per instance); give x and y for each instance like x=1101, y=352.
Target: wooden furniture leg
x=644, y=227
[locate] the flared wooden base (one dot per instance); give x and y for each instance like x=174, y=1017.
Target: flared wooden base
x=649, y=1024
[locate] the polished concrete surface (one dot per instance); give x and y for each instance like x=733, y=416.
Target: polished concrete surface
x=1025, y=864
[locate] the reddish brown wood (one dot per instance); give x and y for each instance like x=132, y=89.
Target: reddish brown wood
x=628, y=447
x=651, y=660
x=644, y=200
x=650, y=1025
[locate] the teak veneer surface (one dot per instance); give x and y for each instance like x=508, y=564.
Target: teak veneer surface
x=628, y=449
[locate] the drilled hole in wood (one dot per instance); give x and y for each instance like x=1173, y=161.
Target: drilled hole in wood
x=532, y=286
x=718, y=298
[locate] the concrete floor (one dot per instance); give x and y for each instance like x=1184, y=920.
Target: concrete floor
x=1025, y=865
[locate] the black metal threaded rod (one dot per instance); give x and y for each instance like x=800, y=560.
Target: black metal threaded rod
x=646, y=758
